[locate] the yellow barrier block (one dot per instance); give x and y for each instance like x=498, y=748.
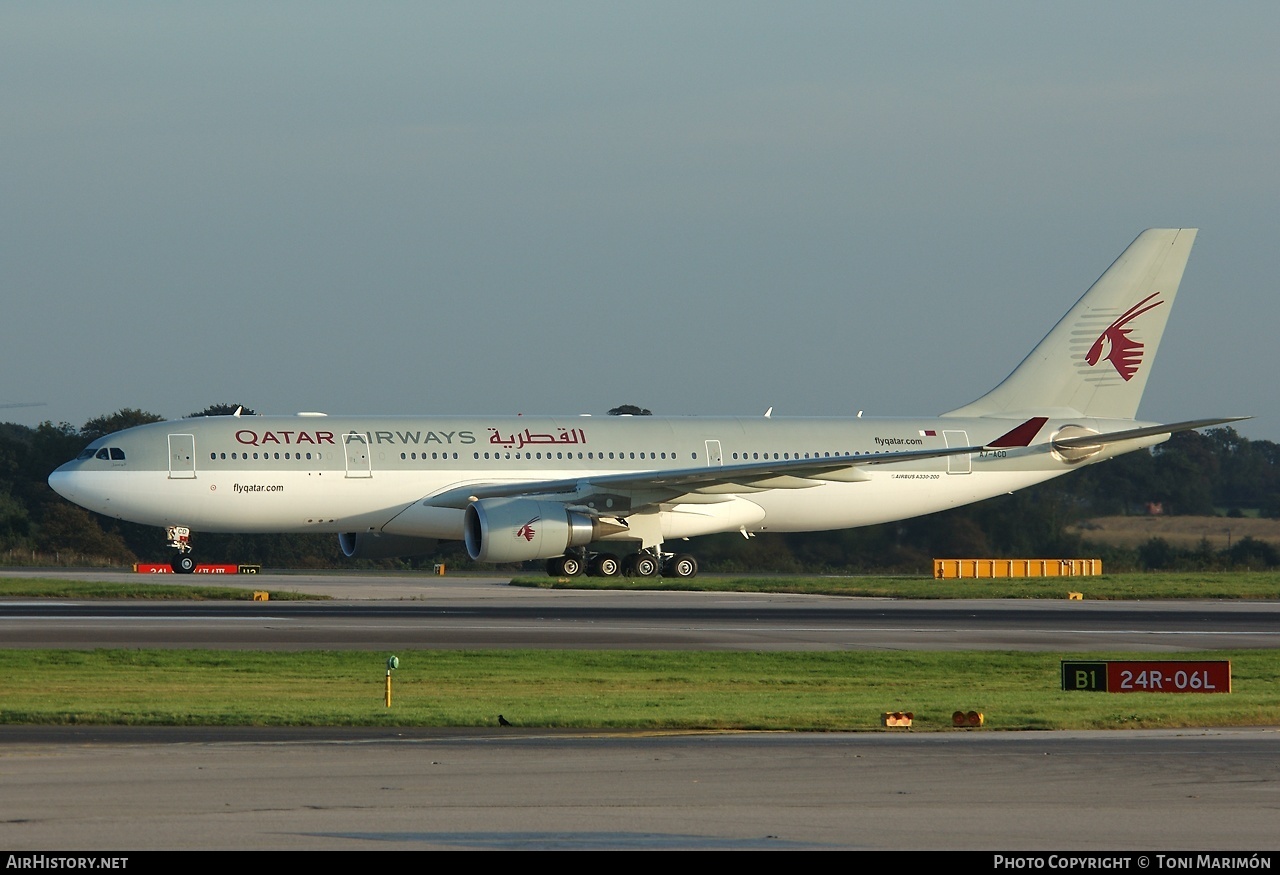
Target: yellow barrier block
x=261, y=595
x=951, y=569
x=1075, y=596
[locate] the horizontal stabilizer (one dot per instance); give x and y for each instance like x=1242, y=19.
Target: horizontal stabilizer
x=1098, y=440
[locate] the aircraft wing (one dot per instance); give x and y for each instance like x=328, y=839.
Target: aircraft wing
x=634, y=490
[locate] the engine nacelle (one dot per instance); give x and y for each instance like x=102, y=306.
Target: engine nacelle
x=376, y=545
x=518, y=529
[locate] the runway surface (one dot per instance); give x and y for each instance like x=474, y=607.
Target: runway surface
x=120, y=789
x=362, y=790
x=430, y=612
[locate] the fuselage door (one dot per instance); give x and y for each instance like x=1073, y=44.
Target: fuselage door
x=962, y=464
x=714, y=456
x=358, y=462
x=182, y=456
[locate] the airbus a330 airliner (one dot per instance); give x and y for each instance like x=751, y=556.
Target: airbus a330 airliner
x=568, y=489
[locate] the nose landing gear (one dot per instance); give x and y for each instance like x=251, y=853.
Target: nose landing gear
x=180, y=540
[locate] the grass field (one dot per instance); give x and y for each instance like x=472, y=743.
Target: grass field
x=672, y=691
x=1152, y=585
x=52, y=587
x=1185, y=532
x=646, y=691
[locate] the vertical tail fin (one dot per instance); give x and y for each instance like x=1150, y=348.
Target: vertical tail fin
x=1096, y=360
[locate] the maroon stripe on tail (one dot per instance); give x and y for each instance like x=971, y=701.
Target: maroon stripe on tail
x=1022, y=435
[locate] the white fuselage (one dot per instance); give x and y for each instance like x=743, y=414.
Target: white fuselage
x=313, y=473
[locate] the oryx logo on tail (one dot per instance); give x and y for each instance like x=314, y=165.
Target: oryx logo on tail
x=1124, y=353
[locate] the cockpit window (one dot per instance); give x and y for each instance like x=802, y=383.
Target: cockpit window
x=107, y=454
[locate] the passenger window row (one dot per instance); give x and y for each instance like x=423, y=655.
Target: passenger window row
x=752, y=457
x=592, y=456
x=116, y=454
x=298, y=456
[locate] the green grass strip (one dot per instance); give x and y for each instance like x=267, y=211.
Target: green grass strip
x=1151, y=585
x=641, y=690
x=48, y=587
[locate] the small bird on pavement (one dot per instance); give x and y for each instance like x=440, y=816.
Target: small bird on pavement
x=503, y=721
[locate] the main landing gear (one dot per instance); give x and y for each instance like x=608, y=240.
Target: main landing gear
x=180, y=540
x=645, y=563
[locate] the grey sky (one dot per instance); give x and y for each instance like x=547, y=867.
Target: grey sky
x=559, y=207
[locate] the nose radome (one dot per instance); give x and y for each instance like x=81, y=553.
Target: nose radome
x=61, y=481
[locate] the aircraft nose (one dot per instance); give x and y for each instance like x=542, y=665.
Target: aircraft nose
x=62, y=482
x=82, y=487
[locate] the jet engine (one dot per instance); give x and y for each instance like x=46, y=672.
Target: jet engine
x=517, y=529
x=376, y=545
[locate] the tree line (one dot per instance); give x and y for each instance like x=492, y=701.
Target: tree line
x=1214, y=472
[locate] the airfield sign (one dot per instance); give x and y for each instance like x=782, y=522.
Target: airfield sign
x=1141, y=676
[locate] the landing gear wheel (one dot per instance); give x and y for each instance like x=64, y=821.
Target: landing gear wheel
x=640, y=565
x=183, y=563
x=564, y=566
x=680, y=565
x=604, y=565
